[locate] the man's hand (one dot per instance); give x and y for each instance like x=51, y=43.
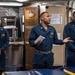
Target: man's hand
x=39, y=40
x=36, y=43
x=67, y=40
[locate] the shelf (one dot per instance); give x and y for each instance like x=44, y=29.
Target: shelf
x=10, y=27
x=17, y=43
x=8, y=20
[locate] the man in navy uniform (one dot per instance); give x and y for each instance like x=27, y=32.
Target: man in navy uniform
x=4, y=44
x=42, y=38
x=69, y=30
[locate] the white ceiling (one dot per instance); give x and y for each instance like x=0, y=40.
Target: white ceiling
x=61, y=2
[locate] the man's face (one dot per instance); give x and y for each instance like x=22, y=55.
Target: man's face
x=46, y=18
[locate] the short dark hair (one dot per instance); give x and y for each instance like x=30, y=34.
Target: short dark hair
x=73, y=13
x=43, y=13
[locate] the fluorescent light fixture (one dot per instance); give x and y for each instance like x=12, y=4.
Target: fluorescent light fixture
x=22, y=0
x=10, y=4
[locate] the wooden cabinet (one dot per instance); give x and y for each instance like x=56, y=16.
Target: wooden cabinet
x=59, y=19
x=29, y=23
x=30, y=20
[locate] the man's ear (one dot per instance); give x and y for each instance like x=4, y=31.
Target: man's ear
x=41, y=19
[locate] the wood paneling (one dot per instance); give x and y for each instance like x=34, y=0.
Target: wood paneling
x=29, y=23
x=59, y=50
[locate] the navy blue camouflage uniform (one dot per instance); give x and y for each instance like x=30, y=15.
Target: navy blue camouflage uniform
x=69, y=31
x=41, y=60
x=4, y=44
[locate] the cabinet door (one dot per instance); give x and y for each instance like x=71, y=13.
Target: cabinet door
x=58, y=20
x=31, y=19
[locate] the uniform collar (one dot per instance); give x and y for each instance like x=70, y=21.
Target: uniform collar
x=73, y=23
x=41, y=27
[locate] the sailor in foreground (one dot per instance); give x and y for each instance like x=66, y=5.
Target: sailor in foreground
x=42, y=38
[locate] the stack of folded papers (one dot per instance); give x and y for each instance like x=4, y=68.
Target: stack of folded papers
x=39, y=39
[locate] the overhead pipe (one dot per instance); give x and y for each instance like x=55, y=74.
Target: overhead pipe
x=69, y=9
x=72, y=7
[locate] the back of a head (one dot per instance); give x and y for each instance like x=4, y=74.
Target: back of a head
x=73, y=13
x=73, y=16
x=43, y=13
